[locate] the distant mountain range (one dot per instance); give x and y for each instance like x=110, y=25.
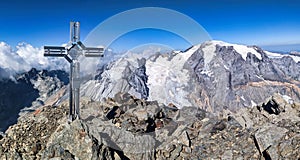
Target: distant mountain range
x=214, y=76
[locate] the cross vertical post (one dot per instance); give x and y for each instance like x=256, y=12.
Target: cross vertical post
x=71, y=106
x=71, y=52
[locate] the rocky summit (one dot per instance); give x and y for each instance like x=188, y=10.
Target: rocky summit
x=125, y=127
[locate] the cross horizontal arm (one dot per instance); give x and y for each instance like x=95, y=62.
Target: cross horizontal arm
x=93, y=52
x=54, y=51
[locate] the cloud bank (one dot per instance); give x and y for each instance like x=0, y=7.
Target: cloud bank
x=24, y=57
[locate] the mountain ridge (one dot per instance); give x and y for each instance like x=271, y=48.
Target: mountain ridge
x=221, y=74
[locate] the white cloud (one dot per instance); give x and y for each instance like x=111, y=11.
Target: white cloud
x=24, y=57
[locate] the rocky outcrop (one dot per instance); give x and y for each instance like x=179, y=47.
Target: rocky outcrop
x=30, y=135
x=276, y=125
x=138, y=79
x=125, y=127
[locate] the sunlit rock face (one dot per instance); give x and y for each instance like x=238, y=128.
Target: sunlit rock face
x=235, y=76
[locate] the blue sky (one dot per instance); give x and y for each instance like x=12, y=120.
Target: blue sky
x=246, y=22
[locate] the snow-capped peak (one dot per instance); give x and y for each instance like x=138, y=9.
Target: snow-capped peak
x=189, y=52
x=241, y=49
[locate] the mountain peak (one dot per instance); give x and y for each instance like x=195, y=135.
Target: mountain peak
x=210, y=47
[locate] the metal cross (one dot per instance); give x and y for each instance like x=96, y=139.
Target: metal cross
x=71, y=52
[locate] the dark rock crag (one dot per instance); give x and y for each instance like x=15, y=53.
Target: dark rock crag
x=26, y=92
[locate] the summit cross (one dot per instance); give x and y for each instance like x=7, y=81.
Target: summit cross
x=71, y=52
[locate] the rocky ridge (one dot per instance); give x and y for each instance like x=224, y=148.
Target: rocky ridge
x=125, y=127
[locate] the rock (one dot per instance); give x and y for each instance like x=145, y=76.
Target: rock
x=122, y=98
x=142, y=115
x=114, y=112
x=80, y=146
x=244, y=118
x=57, y=152
x=287, y=148
x=267, y=138
x=276, y=104
x=176, y=152
x=133, y=146
x=227, y=155
x=219, y=126
x=184, y=139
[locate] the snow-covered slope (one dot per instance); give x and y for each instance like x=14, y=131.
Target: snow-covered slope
x=169, y=73
x=279, y=55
